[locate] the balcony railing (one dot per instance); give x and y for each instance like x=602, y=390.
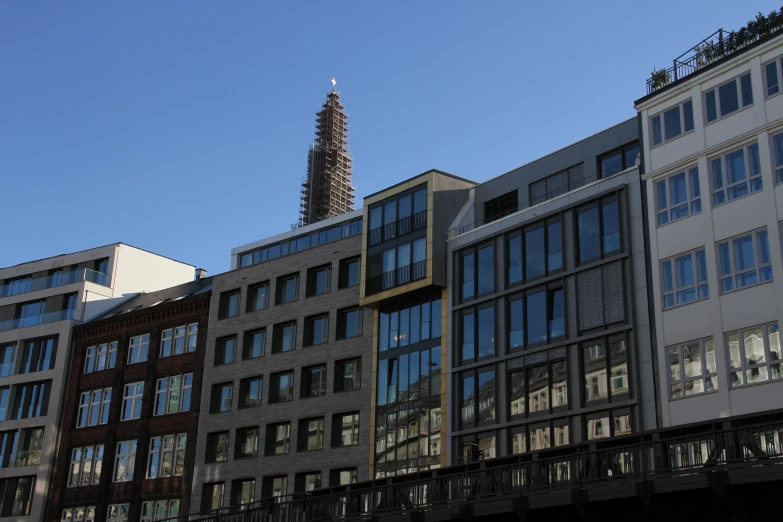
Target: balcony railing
x=400, y=276
x=25, y=285
x=402, y=226
x=51, y=317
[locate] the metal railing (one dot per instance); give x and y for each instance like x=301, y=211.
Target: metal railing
x=51, y=317
x=585, y=465
x=397, y=228
x=26, y=285
x=400, y=276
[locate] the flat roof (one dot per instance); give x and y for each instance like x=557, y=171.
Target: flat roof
x=96, y=248
x=441, y=172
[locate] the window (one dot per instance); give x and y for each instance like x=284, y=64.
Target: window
x=605, y=376
x=258, y=297
x=777, y=146
x=79, y=514
x=30, y=451
x=397, y=266
x=31, y=400
x=212, y=496
x=311, y=434
x=176, y=341
x=274, y=486
x=139, y=345
x=217, y=447
x=500, y=206
x=348, y=375
x=246, y=443
x=118, y=513
x=308, y=481
x=754, y=354
x=229, y=304
x=744, y=261
x=38, y=355
x=278, y=438
x=678, y=196
x=319, y=280
x=173, y=393
x=672, y=123
x=243, y=492
x=483, y=336
x=7, y=359
x=601, y=425
x=100, y=357
x=86, y=465
x=598, y=230
x=225, y=351
x=772, y=80
x=255, y=344
x=287, y=289
x=345, y=429
x=685, y=279
x=281, y=388
x=618, y=160
x=285, y=337
x=535, y=252
x=350, y=323
x=16, y=496
x=545, y=318
x=131, y=401
x=692, y=368
x=728, y=97
x=477, y=406
x=222, y=397
x=5, y=393
x=94, y=408
x=557, y=184
x=541, y=435
x=159, y=510
x=314, y=381
x=736, y=174
x=167, y=455
x=343, y=477
x=124, y=461
x=349, y=272
x=416, y=374
x=478, y=271
x=250, y=392
x=394, y=218
x=409, y=325
x=317, y=331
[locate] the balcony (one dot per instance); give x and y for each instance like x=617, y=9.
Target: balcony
x=51, y=317
x=400, y=276
x=398, y=228
x=25, y=285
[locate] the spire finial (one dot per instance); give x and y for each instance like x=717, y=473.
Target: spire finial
x=334, y=82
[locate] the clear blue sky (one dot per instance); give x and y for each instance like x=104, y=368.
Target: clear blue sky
x=183, y=127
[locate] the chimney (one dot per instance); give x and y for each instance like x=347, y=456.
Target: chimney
x=200, y=273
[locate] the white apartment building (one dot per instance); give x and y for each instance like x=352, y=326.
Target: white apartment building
x=39, y=303
x=712, y=155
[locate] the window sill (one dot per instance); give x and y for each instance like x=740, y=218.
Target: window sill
x=684, y=217
x=684, y=397
x=729, y=115
x=729, y=201
x=673, y=307
x=746, y=287
x=661, y=144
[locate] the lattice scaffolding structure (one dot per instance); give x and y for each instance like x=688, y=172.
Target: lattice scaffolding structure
x=327, y=188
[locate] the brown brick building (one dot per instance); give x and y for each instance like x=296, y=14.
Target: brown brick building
x=130, y=419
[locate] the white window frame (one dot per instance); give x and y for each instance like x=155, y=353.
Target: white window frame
x=133, y=394
x=732, y=274
x=192, y=335
x=120, y=513
x=700, y=286
x=136, y=344
x=79, y=514
x=777, y=162
x=778, y=72
x=86, y=405
x=130, y=461
x=92, y=466
x=681, y=382
x=155, y=510
x=96, y=353
x=753, y=181
x=169, y=449
x=692, y=202
x=660, y=115
x=716, y=88
x=165, y=392
x=166, y=342
x=740, y=370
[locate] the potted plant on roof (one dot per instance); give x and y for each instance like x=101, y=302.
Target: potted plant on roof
x=660, y=78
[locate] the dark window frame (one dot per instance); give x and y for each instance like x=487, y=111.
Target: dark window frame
x=212, y=447
x=220, y=350
x=475, y=310
x=274, y=386
x=244, y=385
x=337, y=429
x=474, y=372
x=271, y=439
x=238, y=454
x=303, y=433
x=252, y=296
x=549, y=289
x=520, y=233
x=280, y=288
x=607, y=342
x=342, y=324
x=216, y=400
x=344, y=272
x=623, y=150
x=312, y=280
x=474, y=251
x=339, y=375
x=307, y=381
x=398, y=227
x=550, y=409
x=277, y=337
x=500, y=206
x=224, y=303
x=309, y=334
x=599, y=204
x=247, y=343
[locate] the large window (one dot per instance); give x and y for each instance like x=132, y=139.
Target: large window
x=678, y=196
x=94, y=408
x=477, y=399
x=79, y=514
x=31, y=400
x=601, y=425
x=754, y=354
x=349, y=323
x=124, y=461
x=346, y=429
x=685, y=279
x=285, y=337
x=672, y=123
x=736, y=174
x=535, y=318
x=319, y=280
x=243, y=492
x=478, y=333
x=348, y=375
x=172, y=394
x=307, y=481
x=86, y=466
x=349, y=272
x=409, y=325
x=258, y=296
x=777, y=146
x=398, y=266
x=311, y=434
x=772, y=79
x=287, y=289
x=281, y=387
x=225, y=351
x=222, y=397
x=255, y=344
x=538, y=390
x=154, y=511
x=398, y=216
x=101, y=357
x=138, y=348
x=21, y=490
x=478, y=271
x=728, y=97
x=744, y=261
x=539, y=436
x=246, y=444
x=317, y=331
x=618, y=160
x=501, y=206
x=278, y=438
x=229, y=304
x=167, y=455
x=314, y=381
x=598, y=230
x=30, y=450
x=118, y=513
x=131, y=400
x=217, y=447
x=692, y=368
x=38, y=355
x=176, y=341
x=250, y=392
x=536, y=252
x=343, y=477
x=212, y=496
x=410, y=376
x=605, y=370
x=7, y=352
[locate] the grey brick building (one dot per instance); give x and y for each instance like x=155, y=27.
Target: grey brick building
x=289, y=307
